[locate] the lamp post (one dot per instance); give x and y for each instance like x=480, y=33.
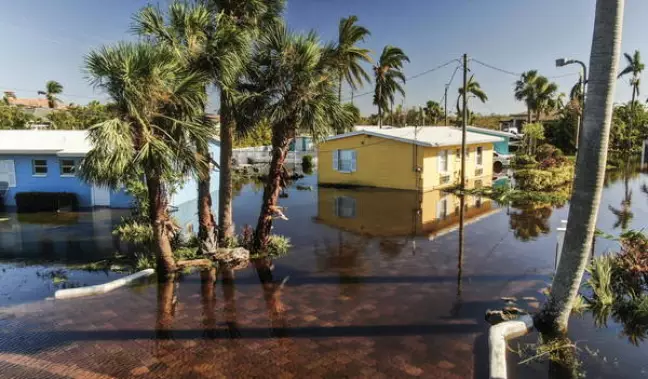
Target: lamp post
x=564, y=62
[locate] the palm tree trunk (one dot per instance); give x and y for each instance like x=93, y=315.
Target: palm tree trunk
x=632, y=115
x=528, y=114
x=159, y=219
x=280, y=142
x=590, y=168
x=379, y=117
x=206, y=224
x=226, y=229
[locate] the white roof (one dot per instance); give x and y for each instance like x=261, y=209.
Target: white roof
x=59, y=142
x=477, y=129
x=423, y=135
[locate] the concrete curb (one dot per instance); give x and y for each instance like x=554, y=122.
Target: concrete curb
x=497, y=337
x=101, y=288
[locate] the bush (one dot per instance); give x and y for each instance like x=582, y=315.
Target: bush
x=307, y=164
x=545, y=151
x=46, y=201
x=523, y=160
x=547, y=179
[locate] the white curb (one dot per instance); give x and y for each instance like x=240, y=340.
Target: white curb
x=101, y=288
x=497, y=336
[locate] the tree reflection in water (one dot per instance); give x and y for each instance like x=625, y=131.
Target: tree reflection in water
x=456, y=306
x=346, y=259
x=530, y=222
x=208, y=300
x=624, y=213
x=272, y=296
x=229, y=294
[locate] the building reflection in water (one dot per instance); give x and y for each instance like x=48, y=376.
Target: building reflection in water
x=388, y=213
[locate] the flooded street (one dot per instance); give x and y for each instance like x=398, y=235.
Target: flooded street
x=373, y=286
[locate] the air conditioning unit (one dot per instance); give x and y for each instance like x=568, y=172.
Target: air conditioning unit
x=444, y=179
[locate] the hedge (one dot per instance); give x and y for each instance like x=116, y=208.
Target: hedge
x=543, y=180
x=46, y=201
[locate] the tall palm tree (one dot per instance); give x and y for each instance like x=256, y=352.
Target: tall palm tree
x=52, y=88
x=348, y=56
x=433, y=111
x=545, y=97
x=474, y=90
x=388, y=76
x=290, y=85
x=525, y=90
x=590, y=167
x=157, y=103
x=247, y=19
x=635, y=67
x=196, y=35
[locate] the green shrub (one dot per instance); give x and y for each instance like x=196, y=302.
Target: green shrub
x=545, y=151
x=524, y=160
x=543, y=180
x=46, y=201
x=307, y=164
x=278, y=246
x=144, y=260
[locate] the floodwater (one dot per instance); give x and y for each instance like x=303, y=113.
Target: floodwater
x=374, y=286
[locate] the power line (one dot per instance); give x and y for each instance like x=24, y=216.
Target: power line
x=516, y=74
x=407, y=78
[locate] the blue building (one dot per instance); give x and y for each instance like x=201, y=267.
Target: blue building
x=46, y=161
x=501, y=147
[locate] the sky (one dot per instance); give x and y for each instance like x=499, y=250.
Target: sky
x=45, y=40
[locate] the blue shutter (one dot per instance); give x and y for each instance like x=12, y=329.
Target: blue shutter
x=336, y=153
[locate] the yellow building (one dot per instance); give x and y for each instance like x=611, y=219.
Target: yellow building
x=381, y=212
x=421, y=159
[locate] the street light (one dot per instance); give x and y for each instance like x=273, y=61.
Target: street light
x=564, y=62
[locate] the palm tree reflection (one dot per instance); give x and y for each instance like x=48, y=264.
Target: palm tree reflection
x=166, y=306
x=272, y=296
x=346, y=259
x=530, y=222
x=624, y=214
x=208, y=299
x=229, y=294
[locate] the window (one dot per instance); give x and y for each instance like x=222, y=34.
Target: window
x=68, y=167
x=345, y=207
x=7, y=174
x=442, y=209
x=344, y=160
x=479, y=156
x=39, y=167
x=458, y=154
x=443, y=161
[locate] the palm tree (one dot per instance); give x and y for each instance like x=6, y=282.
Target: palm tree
x=290, y=85
x=590, y=168
x=348, y=56
x=157, y=103
x=545, y=96
x=474, y=90
x=433, y=111
x=52, y=88
x=245, y=20
x=194, y=34
x=634, y=67
x=525, y=90
x=388, y=72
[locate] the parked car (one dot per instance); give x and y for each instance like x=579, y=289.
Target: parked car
x=501, y=160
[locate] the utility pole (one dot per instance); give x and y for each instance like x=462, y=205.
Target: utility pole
x=445, y=107
x=464, y=121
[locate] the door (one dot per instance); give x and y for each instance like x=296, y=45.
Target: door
x=100, y=196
